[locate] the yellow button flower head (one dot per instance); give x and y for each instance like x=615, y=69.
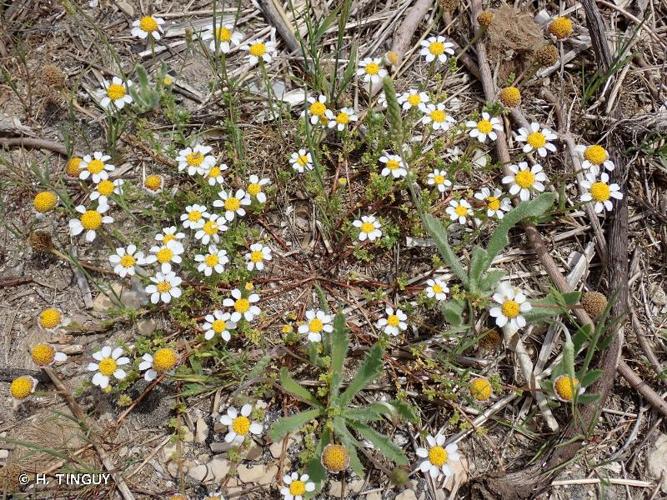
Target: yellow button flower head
x=565, y=387
x=480, y=389
x=45, y=355
x=561, y=27
x=22, y=387
x=45, y=201
x=510, y=97
x=162, y=361
x=50, y=318
x=335, y=458
x=153, y=183
x=73, y=166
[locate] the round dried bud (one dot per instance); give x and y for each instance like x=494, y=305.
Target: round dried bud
x=485, y=18
x=41, y=241
x=449, y=5
x=335, y=458
x=510, y=97
x=561, y=28
x=490, y=341
x=52, y=76
x=547, y=55
x=399, y=476
x=594, y=303
x=9, y=477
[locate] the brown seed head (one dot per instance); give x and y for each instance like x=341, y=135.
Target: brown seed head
x=52, y=76
x=449, y=5
x=510, y=97
x=594, y=303
x=485, y=18
x=547, y=55
x=41, y=241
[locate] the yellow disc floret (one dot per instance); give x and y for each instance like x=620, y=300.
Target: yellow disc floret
x=195, y=159
x=536, y=140
x=461, y=211
x=50, y=318
x=254, y=189
x=485, y=126
x=107, y=366
x=596, y=154
x=45, y=201
x=153, y=182
x=242, y=305
x=561, y=27
x=241, y=425
x=115, y=91
x=335, y=458
x=223, y=34
x=105, y=187
x=21, y=387
x=525, y=179
x=91, y=220
x=511, y=308
x=600, y=191
x=436, y=48
x=43, y=354
x=257, y=49
x=438, y=115
x=232, y=204
x=164, y=359
x=493, y=203
x=564, y=385
x=297, y=488
x=438, y=456
x=480, y=389
x=372, y=68
x=510, y=97
x=73, y=166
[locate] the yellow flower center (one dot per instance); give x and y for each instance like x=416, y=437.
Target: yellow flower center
x=105, y=187
x=367, y=227
x=107, y=366
x=257, y=49
x=194, y=215
x=45, y=201
x=414, y=99
x=95, y=166
x=256, y=256
x=436, y=288
x=254, y=189
x=219, y=326
x=525, y=178
x=167, y=238
x=223, y=34
x=242, y=305
x=317, y=108
x=536, y=140
x=436, y=48
x=600, y=191
x=214, y=172
x=393, y=320
x=302, y=160
x=210, y=228
x=335, y=457
x=50, y=318
x=438, y=115
x=195, y=158
x=342, y=118
x=116, y=91
x=561, y=27
x=393, y=164
x=485, y=126
x=211, y=260
x=493, y=203
x=241, y=425
x=461, y=211
x=163, y=286
x=21, y=387
x=91, y=220
x=439, y=179
x=437, y=456
x=164, y=359
x=148, y=24
x=565, y=386
x=480, y=389
x=510, y=308
x=597, y=155
x=164, y=255
x=153, y=182
x=315, y=325
x=372, y=68
x=43, y=354
x=127, y=261
x=297, y=488
x=232, y=204
x=73, y=166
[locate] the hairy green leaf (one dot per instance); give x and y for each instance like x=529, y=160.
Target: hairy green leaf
x=381, y=442
x=490, y=279
x=285, y=425
x=477, y=267
x=453, y=311
x=439, y=234
x=316, y=471
x=348, y=440
x=393, y=112
x=292, y=387
x=339, y=344
x=590, y=378
x=370, y=368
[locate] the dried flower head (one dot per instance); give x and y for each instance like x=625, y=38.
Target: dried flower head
x=510, y=97
x=52, y=76
x=594, y=303
x=491, y=340
x=547, y=55
x=485, y=18
x=44, y=354
x=561, y=27
x=335, y=458
x=449, y=5
x=41, y=241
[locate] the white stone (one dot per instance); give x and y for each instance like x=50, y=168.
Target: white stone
x=199, y=472
x=201, y=430
x=260, y=474
x=657, y=461
x=406, y=495
x=219, y=467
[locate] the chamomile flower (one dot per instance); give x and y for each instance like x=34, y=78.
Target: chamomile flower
x=114, y=94
x=439, y=179
x=164, y=287
x=438, y=457
x=127, y=260
x=317, y=110
x=153, y=184
x=393, y=165
x=214, y=260
x=254, y=188
x=22, y=387
x=437, y=289
x=166, y=254
x=50, y=319
x=211, y=228
x=436, y=116
x=369, y=228
x=243, y=306
x=296, y=486
x=213, y=174
x=105, y=188
x=257, y=256
x=233, y=203
x=495, y=204
x=436, y=48
x=316, y=323
x=44, y=202
x=218, y=323
x=196, y=160
x=194, y=217
x=413, y=98
x=89, y=221
x=160, y=362
x=565, y=387
x=168, y=234
x=44, y=354
x=524, y=181
x=511, y=303
x=147, y=26
x=260, y=51
x=240, y=426
x=600, y=192
x=537, y=139
x=459, y=211
x=485, y=128
x=301, y=160
x=394, y=322
x=342, y=119
x=95, y=167
x=371, y=70
x=223, y=37
x=594, y=157
x=108, y=364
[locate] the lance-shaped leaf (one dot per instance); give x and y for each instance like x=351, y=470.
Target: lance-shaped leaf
x=339, y=344
x=293, y=387
x=453, y=311
x=385, y=445
x=370, y=368
x=285, y=425
x=350, y=443
x=315, y=469
x=477, y=267
x=439, y=234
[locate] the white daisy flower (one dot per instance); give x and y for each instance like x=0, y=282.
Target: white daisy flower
x=436, y=288
x=108, y=364
x=213, y=174
x=393, y=165
x=438, y=458
x=214, y=260
x=224, y=36
x=524, y=181
x=232, y=203
x=240, y=426
x=114, y=95
x=594, y=157
x=296, y=486
x=439, y=178
x=436, y=48
x=194, y=217
x=342, y=119
x=218, y=323
x=95, y=167
x=127, y=260
x=413, y=98
x=394, y=322
x=369, y=228
x=436, y=116
x=254, y=188
x=317, y=110
x=485, y=128
x=301, y=160
x=243, y=306
x=168, y=234
x=162, y=361
x=511, y=303
x=495, y=204
x=459, y=211
x=257, y=255
x=89, y=221
x=105, y=188
x=260, y=51
x=537, y=139
x=371, y=70
x=164, y=287
x=211, y=228
x=196, y=159
x=165, y=254
x=147, y=26
x=600, y=192
x=317, y=321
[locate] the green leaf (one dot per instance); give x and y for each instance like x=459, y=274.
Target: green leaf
x=439, y=234
x=348, y=440
x=370, y=368
x=405, y=410
x=590, y=378
x=452, y=310
x=285, y=425
x=381, y=442
x=542, y=309
x=371, y=413
x=580, y=338
x=571, y=298
x=393, y=112
x=339, y=345
x=316, y=471
x=478, y=264
x=292, y=387
x=585, y=399
x=489, y=281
